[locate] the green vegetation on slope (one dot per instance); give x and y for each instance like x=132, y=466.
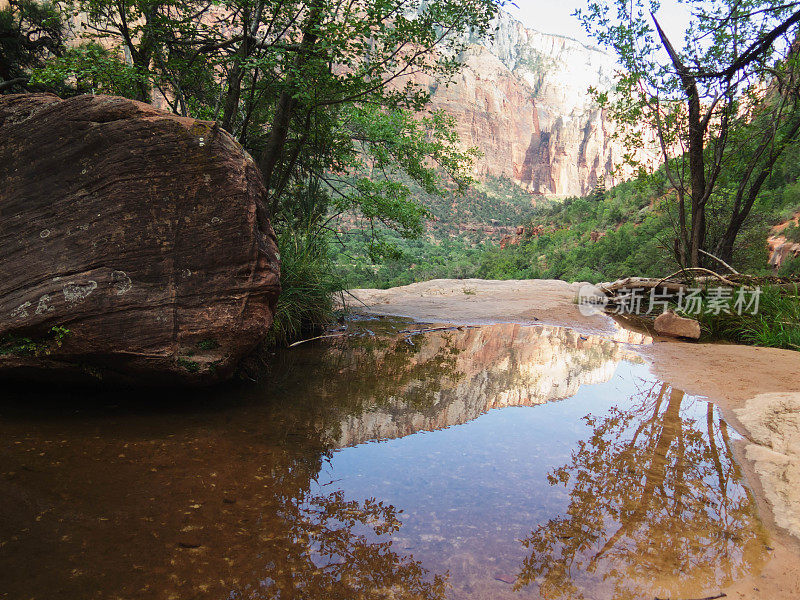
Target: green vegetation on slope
x=625, y=231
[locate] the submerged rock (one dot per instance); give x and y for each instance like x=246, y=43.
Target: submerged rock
x=134, y=244
x=672, y=325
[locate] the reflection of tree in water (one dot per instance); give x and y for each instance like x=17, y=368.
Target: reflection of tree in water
x=324, y=548
x=199, y=504
x=309, y=545
x=656, y=505
x=364, y=369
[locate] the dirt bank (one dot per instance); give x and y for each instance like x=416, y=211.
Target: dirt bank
x=758, y=389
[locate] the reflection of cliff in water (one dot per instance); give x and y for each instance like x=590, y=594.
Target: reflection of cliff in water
x=478, y=370
x=246, y=492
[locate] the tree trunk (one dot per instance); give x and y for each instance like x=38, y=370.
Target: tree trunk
x=743, y=206
x=697, y=132
x=234, y=89
x=697, y=171
x=287, y=103
x=232, y=98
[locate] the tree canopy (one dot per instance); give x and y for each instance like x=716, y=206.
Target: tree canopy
x=723, y=104
x=328, y=96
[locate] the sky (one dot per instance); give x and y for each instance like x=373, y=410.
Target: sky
x=555, y=16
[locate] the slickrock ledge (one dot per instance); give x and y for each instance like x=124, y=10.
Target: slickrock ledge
x=773, y=422
x=479, y=301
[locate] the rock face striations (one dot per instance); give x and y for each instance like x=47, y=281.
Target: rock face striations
x=522, y=99
x=134, y=245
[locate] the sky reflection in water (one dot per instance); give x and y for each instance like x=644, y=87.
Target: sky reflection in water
x=629, y=501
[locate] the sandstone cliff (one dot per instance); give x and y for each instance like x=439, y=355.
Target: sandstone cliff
x=522, y=98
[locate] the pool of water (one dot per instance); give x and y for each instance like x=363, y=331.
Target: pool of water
x=493, y=462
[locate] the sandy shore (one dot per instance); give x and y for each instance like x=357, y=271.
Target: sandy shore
x=758, y=389
x=476, y=301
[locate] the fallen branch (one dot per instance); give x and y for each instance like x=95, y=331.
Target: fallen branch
x=701, y=270
x=641, y=282
x=406, y=331
x=720, y=595
x=354, y=297
x=21, y=81
x=720, y=261
x=319, y=337
x=432, y=329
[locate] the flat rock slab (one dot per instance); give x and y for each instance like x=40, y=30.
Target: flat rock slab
x=477, y=301
x=773, y=421
x=140, y=236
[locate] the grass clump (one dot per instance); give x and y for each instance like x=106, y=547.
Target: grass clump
x=15, y=345
x=792, y=233
x=790, y=267
x=208, y=344
x=776, y=324
x=308, y=283
x=189, y=365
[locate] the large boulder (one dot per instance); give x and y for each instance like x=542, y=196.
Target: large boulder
x=134, y=244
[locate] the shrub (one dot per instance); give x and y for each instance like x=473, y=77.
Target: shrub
x=308, y=283
x=790, y=267
x=777, y=323
x=792, y=233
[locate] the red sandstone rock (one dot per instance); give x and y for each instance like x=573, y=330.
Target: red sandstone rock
x=781, y=250
x=597, y=235
x=142, y=233
x=670, y=324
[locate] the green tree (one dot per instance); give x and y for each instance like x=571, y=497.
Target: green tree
x=87, y=68
x=31, y=33
x=599, y=192
x=725, y=100
x=323, y=93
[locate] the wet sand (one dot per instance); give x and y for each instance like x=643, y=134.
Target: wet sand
x=758, y=390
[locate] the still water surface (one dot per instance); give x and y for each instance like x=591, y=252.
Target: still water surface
x=494, y=462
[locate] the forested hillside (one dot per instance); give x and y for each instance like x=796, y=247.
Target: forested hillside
x=603, y=236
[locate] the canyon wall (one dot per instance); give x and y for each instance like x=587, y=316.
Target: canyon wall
x=522, y=99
